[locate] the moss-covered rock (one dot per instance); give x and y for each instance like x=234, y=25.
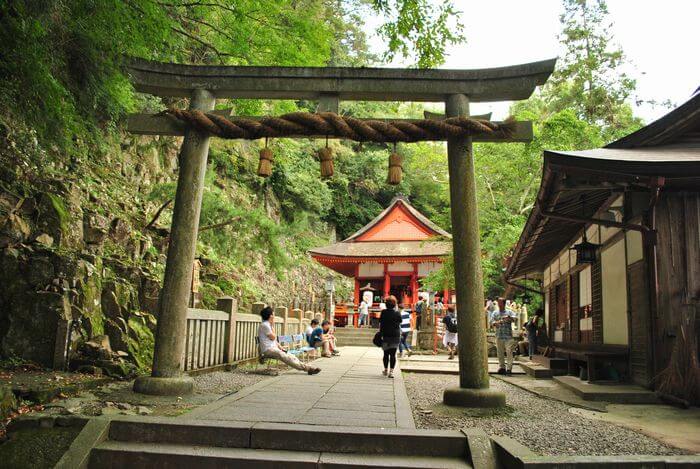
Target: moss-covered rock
x=32, y=325
x=8, y=402
x=140, y=340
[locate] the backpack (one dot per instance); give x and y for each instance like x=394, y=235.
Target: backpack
x=450, y=323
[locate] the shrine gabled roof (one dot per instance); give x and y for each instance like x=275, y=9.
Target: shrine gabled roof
x=419, y=222
x=376, y=249
x=399, y=233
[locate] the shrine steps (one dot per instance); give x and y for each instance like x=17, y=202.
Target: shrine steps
x=542, y=367
x=163, y=442
x=346, y=336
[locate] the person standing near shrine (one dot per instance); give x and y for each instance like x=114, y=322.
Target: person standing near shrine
x=420, y=308
x=439, y=306
x=502, y=321
x=390, y=330
x=531, y=327
x=405, y=330
x=449, y=339
x=363, y=309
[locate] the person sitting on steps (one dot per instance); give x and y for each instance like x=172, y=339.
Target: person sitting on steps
x=270, y=348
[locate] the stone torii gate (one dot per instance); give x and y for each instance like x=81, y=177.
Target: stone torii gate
x=456, y=88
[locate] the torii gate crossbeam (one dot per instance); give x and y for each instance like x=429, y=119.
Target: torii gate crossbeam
x=456, y=88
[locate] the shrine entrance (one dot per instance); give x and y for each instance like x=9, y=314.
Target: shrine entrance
x=456, y=88
x=390, y=254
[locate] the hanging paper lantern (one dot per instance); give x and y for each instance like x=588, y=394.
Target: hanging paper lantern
x=265, y=163
x=395, y=168
x=325, y=156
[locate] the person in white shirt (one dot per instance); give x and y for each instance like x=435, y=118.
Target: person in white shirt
x=363, y=309
x=270, y=348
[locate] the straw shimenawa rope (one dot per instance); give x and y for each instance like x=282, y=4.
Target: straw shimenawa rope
x=335, y=125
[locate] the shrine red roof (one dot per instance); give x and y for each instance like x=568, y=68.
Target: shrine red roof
x=399, y=233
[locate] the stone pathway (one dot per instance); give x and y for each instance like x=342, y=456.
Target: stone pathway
x=441, y=365
x=349, y=391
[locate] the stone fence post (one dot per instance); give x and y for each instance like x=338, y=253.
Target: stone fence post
x=256, y=307
x=229, y=305
x=282, y=313
x=297, y=313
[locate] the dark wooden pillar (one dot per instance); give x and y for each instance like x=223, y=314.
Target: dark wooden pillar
x=172, y=318
x=387, y=281
x=473, y=364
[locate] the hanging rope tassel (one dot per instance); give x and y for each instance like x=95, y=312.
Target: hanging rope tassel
x=325, y=156
x=395, y=168
x=265, y=163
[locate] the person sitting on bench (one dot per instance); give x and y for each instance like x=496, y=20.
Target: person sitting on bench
x=270, y=348
x=329, y=337
x=320, y=338
x=309, y=333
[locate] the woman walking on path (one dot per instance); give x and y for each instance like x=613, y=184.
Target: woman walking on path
x=390, y=329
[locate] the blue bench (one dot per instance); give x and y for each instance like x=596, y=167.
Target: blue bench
x=296, y=345
x=305, y=347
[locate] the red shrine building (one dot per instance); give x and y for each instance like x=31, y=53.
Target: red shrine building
x=389, y=254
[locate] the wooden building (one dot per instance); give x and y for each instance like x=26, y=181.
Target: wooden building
x=638, y=201
x=389, y=254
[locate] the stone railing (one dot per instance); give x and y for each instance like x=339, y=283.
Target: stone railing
x=217, y=338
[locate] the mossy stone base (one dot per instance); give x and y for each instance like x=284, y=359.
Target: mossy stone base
x=157, y=386
x=466, y=397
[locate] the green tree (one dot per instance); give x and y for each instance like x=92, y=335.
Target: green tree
x=419, y=28
x=590, y=77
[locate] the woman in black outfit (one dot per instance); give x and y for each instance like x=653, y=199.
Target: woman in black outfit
x=390, y=328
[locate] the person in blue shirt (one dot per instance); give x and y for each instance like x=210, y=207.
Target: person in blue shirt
x=309, y=332
x=502, y=322
x=321, y=336
x=315, y=338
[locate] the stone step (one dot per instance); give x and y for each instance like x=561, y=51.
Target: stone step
x=559, y=366
x=354, y=334
x=348, y=332
x=289, y=437
x=354, y=342
x=536, y=370
x=150, y=455
x=608, y=392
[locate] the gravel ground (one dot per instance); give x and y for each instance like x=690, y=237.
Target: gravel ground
x=227, y=382
x=545, y=426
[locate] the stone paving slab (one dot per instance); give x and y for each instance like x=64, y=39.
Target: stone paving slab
x=349, y=391
x=448, y=368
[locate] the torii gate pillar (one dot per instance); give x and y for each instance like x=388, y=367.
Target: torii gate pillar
x=473, y=390
x=167, y=378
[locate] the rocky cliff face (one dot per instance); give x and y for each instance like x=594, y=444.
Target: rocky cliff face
x=79, y=248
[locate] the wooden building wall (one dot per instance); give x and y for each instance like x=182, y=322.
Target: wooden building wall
x=678, y=268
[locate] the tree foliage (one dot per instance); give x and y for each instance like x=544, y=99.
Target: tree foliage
x=419, y=28
x=61, y=73
x=591, y=77
x=584, y=105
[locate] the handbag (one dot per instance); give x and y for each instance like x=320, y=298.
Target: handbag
x=377, y=340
